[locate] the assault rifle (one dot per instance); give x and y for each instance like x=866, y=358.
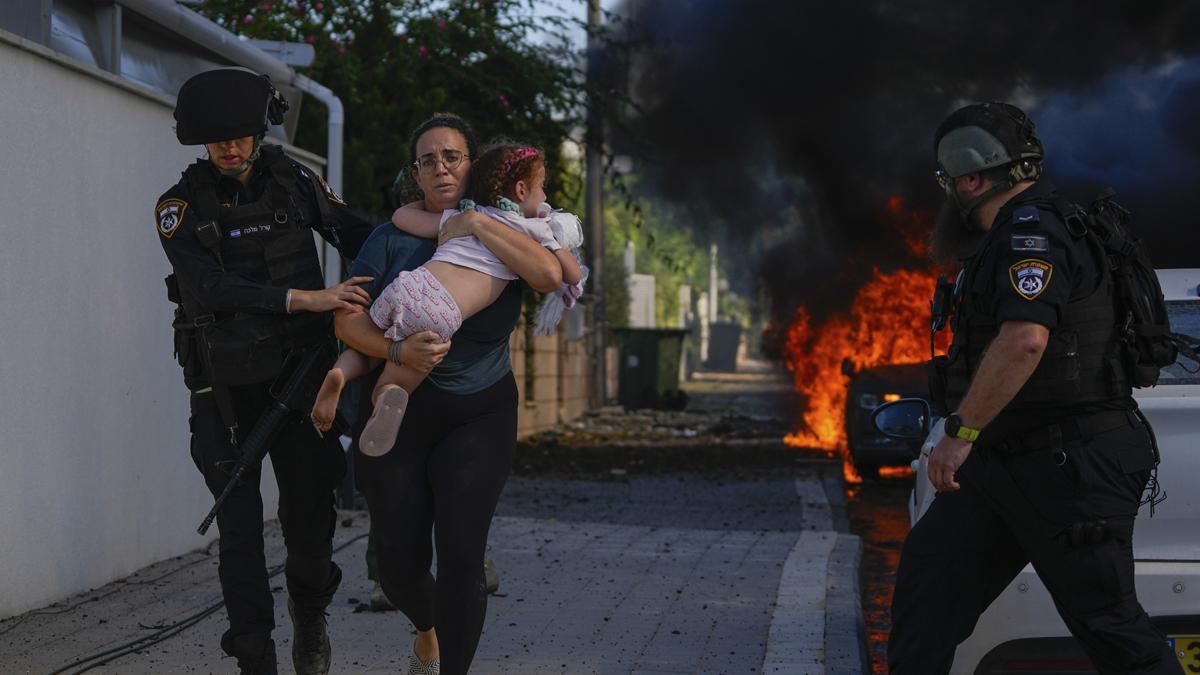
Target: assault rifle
x=305, y=370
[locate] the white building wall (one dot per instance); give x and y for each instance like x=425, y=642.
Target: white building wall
x=95, y=476
x=642, y=301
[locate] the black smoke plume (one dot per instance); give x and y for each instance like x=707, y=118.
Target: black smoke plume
x=808, y=117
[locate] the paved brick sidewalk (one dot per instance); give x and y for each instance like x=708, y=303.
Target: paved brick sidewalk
x=657, y=575
x=740, y=567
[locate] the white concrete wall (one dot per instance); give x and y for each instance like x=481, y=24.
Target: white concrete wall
x=95, y=477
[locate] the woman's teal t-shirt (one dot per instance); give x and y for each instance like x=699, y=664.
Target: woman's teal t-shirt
x=478, y=355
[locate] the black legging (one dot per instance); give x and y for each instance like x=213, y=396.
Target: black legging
x=448, y=466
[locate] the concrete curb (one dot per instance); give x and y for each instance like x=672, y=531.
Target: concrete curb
x=796, y=640
x=845, y=625
x=818, y=626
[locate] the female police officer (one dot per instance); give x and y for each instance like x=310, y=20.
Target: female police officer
x=237, y=231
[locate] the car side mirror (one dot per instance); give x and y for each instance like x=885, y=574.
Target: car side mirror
x=907, y=418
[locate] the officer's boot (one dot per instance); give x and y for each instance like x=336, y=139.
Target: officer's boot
x=255, y=653
x=310, y=642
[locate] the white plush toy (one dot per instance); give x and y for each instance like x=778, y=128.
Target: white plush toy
x=568, y=232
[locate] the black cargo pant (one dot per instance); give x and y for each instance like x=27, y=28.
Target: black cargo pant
x=307, y=470
x=1041, y=505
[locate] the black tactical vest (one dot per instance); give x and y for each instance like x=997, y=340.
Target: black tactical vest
x=1081, y=364
x=271, y=242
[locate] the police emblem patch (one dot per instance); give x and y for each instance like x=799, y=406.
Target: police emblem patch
x=333, y=196
x=169, y=213
x=1030, y=277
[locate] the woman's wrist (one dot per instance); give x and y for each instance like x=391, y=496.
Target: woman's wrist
x=295, y=301
x=395, y=352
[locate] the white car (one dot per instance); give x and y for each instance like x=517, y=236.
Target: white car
x=1021, y=631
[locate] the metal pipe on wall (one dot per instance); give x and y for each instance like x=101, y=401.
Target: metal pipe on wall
x=333, y=159
x=209, y=35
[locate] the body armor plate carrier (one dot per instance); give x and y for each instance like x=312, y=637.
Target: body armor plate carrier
x=267, y=241
x=1081, y=363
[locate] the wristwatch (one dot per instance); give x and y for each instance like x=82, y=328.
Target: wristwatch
x=955, y=428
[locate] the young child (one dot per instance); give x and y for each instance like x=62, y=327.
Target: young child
x=461, y=278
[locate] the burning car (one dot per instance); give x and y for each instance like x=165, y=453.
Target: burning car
x=868, y=389
x=1021, y=632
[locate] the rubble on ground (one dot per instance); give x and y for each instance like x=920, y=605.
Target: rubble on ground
x=613, y=441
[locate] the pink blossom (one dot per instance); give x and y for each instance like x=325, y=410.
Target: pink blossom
x=441, y=24
x=247, y=19
x=264, y=6
x=319, y=6
x=402, y=37
x=504, y=101
x=423, y=50
x=310, y=39
x=341, y=50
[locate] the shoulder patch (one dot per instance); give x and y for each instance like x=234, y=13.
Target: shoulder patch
x=333, y=196
x=1030, y=277
x=1030, y=243
x=169, y=214
x=1024, y=216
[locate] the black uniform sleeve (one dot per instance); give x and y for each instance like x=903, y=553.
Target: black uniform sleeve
x=1032, y=273
x=197, y=268
x=352, y=231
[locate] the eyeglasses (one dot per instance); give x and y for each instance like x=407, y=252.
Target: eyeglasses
x=944, y=180
x=429, y=161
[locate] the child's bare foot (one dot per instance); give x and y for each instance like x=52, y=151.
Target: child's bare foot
x=379, y=435
x=327, y=399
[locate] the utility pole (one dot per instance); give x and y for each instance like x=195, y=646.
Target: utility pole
x=594, y=207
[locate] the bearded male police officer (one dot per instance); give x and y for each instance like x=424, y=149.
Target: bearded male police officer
x=237, y=229
x=1046, y=457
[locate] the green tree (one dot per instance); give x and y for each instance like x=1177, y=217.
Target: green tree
x=394, y=63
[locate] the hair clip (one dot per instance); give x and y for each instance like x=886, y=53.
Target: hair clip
x=523, y=153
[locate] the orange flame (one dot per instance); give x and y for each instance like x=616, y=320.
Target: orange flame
x=888, y=323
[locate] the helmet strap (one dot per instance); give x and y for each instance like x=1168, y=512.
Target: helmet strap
x=1019, y=171
x=241, y=168
x=969, y=208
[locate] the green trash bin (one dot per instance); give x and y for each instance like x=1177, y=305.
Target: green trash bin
x=648, y=367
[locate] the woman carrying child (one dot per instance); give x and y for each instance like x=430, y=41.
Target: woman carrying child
x=455, y=445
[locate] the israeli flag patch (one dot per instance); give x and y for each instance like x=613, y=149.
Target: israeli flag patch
x=1030, y=243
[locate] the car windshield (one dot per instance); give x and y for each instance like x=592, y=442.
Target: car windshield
x=1185, y=319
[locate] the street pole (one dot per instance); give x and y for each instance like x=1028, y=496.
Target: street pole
x=594, y=207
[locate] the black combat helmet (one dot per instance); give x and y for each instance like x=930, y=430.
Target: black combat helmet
x=985, y=136
x=226, y=104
